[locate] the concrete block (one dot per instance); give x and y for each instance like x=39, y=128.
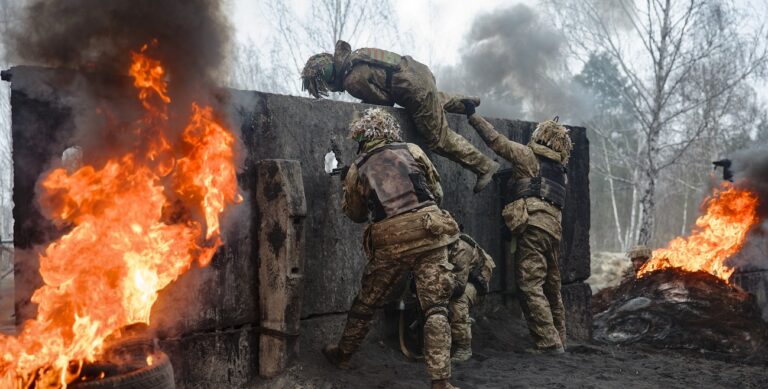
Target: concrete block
x=223, y=359
x=578, y=314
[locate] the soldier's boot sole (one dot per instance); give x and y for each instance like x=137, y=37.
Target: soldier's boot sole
x=336, y=357
x=558, y=350
x=485, y=179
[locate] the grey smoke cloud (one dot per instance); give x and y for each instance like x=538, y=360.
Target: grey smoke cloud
x=751, y=171
x=97, y=35
x=515, y=60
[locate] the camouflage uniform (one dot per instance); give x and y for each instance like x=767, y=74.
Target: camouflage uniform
x=398, y=187
x=638, y=256
x=536, y=224
x=384, y=78
x=472, y=270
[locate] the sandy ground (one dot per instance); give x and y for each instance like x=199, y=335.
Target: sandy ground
x=499, y=362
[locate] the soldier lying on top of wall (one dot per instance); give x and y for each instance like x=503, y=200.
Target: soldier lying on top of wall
x=384, y=78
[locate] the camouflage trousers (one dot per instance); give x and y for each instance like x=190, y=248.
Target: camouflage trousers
x=414, y=88
x=461, y=327
x=434, y=284
x=538, y=280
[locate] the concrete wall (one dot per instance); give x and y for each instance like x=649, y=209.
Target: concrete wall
x=209, y=317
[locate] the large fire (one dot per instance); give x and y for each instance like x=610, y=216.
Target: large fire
x=136, y=224
x=720, y=233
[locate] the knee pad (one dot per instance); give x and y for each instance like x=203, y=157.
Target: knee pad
x=436, y=310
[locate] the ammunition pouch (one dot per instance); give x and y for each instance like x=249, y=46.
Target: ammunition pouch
x=515, y=216
x=413, y=232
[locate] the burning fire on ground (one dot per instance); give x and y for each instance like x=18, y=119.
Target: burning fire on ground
x=135, y=224
x=720, y=233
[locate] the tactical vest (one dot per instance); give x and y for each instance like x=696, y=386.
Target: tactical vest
x=376, y=57
x=549, y=185
x=396, y=182
x=384, y=59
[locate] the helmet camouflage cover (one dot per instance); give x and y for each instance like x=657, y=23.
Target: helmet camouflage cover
x=375, y=123
x=640, y=251
x=553, y=135
x=316, y=75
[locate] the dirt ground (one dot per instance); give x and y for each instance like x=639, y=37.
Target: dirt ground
x=499, y=362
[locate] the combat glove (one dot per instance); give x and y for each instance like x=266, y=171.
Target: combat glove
x=469, y=107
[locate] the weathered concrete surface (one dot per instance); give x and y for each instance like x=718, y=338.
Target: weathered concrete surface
x=276, y=126
x=224, y=296
x=578, y=313
x=282, y=208
x=218, y=359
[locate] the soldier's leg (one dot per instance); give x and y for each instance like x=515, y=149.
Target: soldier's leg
x=378, y=279
x=431, y=123
x=552, y=286
x=461, y=326
x=531, y=271
x=434, y=285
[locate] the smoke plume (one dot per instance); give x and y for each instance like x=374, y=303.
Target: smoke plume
x=96, y=38
x=750, y=169
x=97, y=35
x=515, y=60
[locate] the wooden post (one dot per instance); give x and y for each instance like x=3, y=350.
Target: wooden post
x=282, y=208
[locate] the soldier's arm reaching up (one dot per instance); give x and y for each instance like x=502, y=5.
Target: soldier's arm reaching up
x=430, y=173
x=510, y=150
x=353, y=203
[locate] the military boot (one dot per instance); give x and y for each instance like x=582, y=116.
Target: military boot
x=484, y=179
x=443, y=384
x=555, y=350
x=336, y=357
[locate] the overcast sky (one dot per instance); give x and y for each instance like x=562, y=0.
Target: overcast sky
x=436, y=26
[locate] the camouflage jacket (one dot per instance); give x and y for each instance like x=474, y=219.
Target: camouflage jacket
x=355, y=205
x=405, y=234
x=376, y=82
x=541, y=214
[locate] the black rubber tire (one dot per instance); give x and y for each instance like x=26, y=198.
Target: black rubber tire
x=157, y=376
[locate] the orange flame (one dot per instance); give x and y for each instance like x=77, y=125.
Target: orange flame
x=127, y=239
x=719, y=233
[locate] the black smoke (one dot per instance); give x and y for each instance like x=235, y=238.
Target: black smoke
x=97, y=35
x=750, y=168
x=515, y=59
x=94, y=39
x=751, y=171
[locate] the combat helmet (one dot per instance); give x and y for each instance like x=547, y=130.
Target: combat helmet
x=639, y=252
x=317, y=74
x=553, y=135
x=376, y=123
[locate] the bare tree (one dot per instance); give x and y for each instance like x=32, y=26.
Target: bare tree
x=659, y=46
x=9, y=11
x=361, y=22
